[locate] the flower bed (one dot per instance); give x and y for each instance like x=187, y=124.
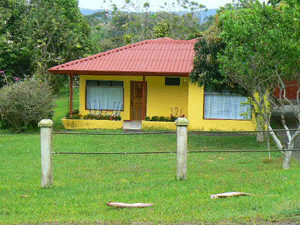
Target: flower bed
x=75, y=115
x=161, y=118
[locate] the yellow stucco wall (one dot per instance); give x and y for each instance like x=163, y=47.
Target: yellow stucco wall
x=196, y=115
x=124, y=114
x=160, y=98
x=91, y=124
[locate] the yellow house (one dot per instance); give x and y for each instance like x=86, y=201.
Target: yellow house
x=145, y=80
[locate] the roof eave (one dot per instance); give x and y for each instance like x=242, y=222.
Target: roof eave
x=118, y=73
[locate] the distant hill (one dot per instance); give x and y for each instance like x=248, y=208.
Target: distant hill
x=89, y=11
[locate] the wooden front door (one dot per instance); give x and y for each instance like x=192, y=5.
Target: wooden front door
x=138, y=96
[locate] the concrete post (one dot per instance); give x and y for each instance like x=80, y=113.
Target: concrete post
x=46, y=152
x=181, y=124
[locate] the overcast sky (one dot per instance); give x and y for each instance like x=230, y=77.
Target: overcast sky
x=154, y=4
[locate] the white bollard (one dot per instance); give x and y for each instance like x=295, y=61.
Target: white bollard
x=182, y=124
x=46, y=152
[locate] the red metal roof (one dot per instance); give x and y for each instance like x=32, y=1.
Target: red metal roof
x=162, y=56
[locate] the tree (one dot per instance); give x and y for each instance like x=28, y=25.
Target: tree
x=15, y=57
x=133, y=22
x=206, y=71
x=262, y=51
x=38, y=34
x=55, y=32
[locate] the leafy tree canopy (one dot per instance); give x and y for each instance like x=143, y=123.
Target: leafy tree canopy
x=206, y=71
x=133, y=22
x=38, y=34
x=262, y=52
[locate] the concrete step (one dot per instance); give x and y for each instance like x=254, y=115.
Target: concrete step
x=132, y=125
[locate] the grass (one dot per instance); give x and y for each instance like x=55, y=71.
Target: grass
x=62, y=106
x=84, y=183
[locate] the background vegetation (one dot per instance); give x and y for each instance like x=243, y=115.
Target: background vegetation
x=24, y=104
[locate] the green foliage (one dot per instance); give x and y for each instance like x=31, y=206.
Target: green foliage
x=127, y=38
x=37, y=35
x=56, y=32
x=262, y=44
x=161, y=30
x=15, y=57
x=24, y=104
x=262, y=49
x=206, y=71
x=132, y=23
x=75, y=115
x=161, y=118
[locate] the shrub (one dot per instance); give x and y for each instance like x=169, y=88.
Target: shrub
x=75, y=115
x=154, y=118
x=92, y=117
x=168, y=119
x=173, y=118
x=162, y=118
x=24, y=104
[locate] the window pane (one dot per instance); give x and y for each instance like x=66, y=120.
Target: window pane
x=225, y=106
x=172, y=81
x=107, y=95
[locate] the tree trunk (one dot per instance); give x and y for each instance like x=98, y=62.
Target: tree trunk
x=260, y=134
x=287, y=158
x=288, y=154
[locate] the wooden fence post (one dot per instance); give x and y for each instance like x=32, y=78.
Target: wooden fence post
x=182, y=124
x=46, y=152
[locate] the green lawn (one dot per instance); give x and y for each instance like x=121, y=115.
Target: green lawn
x=84, y=183
x=61, y=107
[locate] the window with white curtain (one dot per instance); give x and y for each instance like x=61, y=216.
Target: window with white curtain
x=225, y=106
x=104, y=95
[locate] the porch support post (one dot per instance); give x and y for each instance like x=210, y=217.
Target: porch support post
x=71, y=94
x=182, y=124
x=144, y=100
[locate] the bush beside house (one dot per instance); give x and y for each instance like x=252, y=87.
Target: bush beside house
x=24, y=104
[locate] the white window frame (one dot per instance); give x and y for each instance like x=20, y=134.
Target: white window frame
x=107, y=97
x=225, y=106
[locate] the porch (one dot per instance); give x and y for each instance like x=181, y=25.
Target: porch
x=78, y=124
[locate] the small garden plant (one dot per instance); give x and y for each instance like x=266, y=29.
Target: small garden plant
x=75, y=115
x=161, y=118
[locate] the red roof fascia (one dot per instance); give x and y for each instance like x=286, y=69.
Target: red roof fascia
x=119, y=73
x=158, y=57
